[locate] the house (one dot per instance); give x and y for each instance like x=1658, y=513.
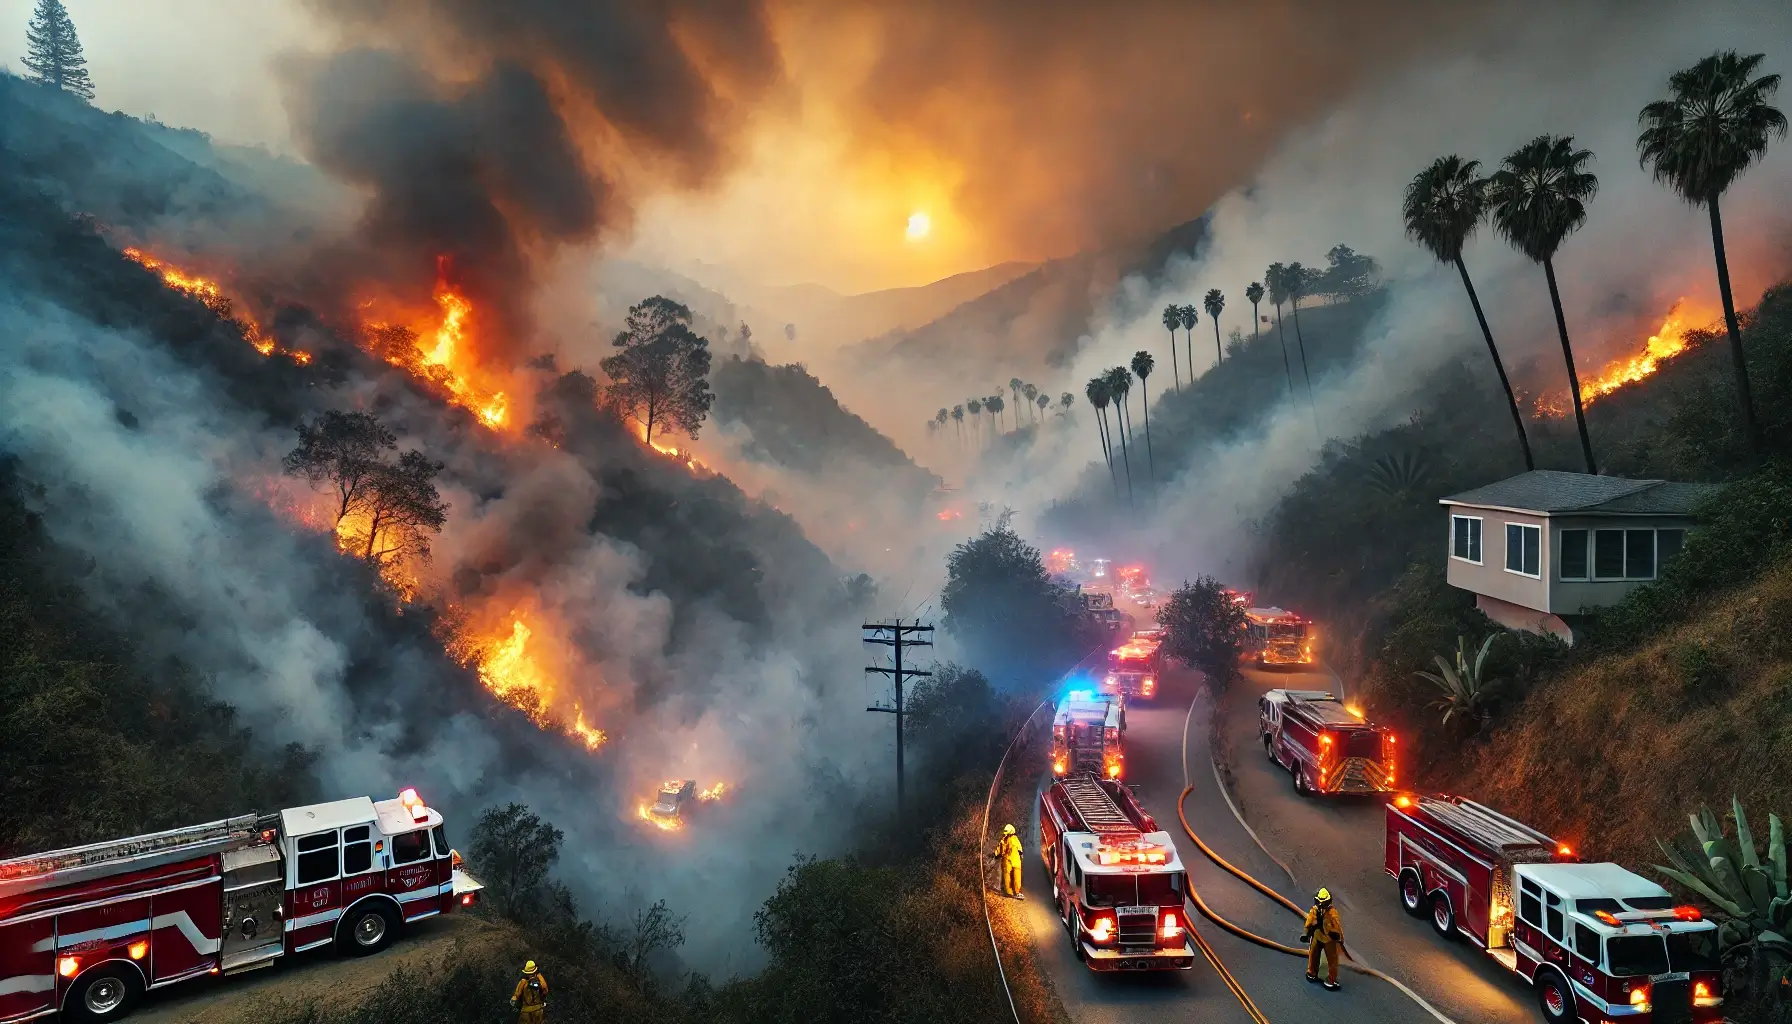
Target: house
x=1542, y=548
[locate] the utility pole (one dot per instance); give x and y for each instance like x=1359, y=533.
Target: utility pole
x=897, y=637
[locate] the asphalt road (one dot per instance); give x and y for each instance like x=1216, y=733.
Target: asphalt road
x=1340, y=844
x=1167, y=745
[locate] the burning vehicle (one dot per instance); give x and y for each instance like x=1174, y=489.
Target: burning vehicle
x=672, y=806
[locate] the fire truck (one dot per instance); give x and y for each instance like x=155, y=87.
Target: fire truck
x=1595, y=941
x=1328, y=748
x=87, y=930
x=1134, y=666
x=1086, y=736
x=1278, y=637
x=1117, y=881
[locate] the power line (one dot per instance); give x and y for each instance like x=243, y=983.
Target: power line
x=898, y=637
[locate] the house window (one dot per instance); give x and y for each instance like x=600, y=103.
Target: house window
x=1639, y=554
x=1465, y=538
x=1667, y=545
x=1574, y=554
x=1523, y=549
x=1608, y=554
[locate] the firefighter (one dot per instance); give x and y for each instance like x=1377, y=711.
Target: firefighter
x=1324, y=934
x=1008, y=851
x=530, y=999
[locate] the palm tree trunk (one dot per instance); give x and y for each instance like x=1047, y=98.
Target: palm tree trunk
x=1124, y=457
x=1580, y=415
x=1219, y=356
x=1150, y=459
x=1256, y=324
x=1188, y=337
x=1750, y=427
x=1302, y=343
x=1173, y=371
x=1283, y=334
x=1498, y=366
x=1107, y=449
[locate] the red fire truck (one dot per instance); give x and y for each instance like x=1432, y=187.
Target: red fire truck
x=1117, y=880
x=87, y=930
x=1596, y=942
x=1134, y=666
x=1087, y=736
x=1326, y=747
x=1278, y=638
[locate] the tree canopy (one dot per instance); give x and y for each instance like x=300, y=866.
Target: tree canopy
x=1001, y=604
x=53, y=51
x=661, y=377
x=1206, y=628
x=386, y=510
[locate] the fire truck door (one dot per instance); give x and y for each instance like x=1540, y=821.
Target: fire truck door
x=253, y=887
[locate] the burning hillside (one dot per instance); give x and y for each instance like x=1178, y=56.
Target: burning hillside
x=435, y=348
x=211, y=295
x=1676, y=336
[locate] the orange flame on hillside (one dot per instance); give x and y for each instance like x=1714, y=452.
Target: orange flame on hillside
x=1668, y=342
x=682, y=455
x=440, y=354
x=212, y=297
x=514, y=674
x=714, y=792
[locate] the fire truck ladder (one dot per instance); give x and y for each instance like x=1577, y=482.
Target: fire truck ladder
x=189, y=840
x=1097, y=810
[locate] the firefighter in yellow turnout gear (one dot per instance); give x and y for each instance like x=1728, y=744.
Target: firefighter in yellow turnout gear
x=1008, y=852
x=531, y=996
x=1324, y=934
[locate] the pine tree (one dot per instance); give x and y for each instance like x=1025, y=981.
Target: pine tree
x=55, y=56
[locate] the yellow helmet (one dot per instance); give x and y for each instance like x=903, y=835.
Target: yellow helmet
x=529, y=968
x=1007, y=830
x=1323, y=895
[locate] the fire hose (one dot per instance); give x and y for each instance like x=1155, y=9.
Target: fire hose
x=1351, y=963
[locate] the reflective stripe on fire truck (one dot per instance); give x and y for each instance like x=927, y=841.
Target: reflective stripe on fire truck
x=27, y=983
x=324, y=917
x=202, y=943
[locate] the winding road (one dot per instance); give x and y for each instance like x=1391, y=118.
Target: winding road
x=1337, y=845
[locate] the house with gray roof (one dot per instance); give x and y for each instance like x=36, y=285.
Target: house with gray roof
x=1543, y=548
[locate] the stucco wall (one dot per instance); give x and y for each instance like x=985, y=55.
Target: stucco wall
x=1491, y=576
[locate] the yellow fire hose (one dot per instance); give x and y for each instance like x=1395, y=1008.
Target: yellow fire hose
x=1351, y=963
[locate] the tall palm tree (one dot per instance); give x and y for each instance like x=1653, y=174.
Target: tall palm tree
x=1215, y=304
x=958, y=422
x=1042, y=401
x=1295, y=277
x=1142, y=365
x=1699, y=140
x=1119, y=384
x=995, y=405
x=1066, y=401
x=974, y=406
x=1014, y=390
x=1173, y=320
x=1539, y=197
x=1097, y=392
x=1443, y=206
x=1189, y=319
x=1032, y=394
x=1253, y=294
x=1277, y=279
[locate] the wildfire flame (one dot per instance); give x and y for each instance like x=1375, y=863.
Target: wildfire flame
x=440, y=354
x=1668, y=342
x=714, y=792
x=211, y=295
x=515, y=676
x=681, y=455
x=665, y=824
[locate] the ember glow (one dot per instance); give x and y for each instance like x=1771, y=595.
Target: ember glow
x=211, y=295
x=664, y=824
x=714, y=792
x=436, y=348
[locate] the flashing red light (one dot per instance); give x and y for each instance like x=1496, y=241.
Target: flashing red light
x=1169, y=926
x=139, y=949
x=1403, y=801
x=466, y=900
x=1608, y=918
x=68, y=965
x=1564, y=850
x=1325, y=739
x=1102, y=930
x=413, y=803
x=1688, y=914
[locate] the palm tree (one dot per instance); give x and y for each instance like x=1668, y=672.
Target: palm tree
x=1097, y=391
x=1066, y=402
x=1539, y=197
x=1296, y=283
x=995, y=405
x=1277, y=278
x=941, y=417
x=1465, y=687
x=1042, y=401
x=1014, y=389
x=1715, y=126
x=958, y=422
x=1188, y=335
x=1253, y=294
x=1173, y=320
x=1444, y=205
x=1143, y=364
x=1119, y=384
x=1032, y=394
x=974, y=406
x=1215, y=304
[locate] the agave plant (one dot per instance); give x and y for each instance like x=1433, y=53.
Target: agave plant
x=1733, y=876
x=1466, y=687
x=1398, y=473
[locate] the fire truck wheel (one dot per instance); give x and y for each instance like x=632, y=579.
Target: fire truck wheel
x=1300, y=782
x=367, y=929
x=1269, y=747
x=107, y=992
x=1555, y=997
x=1412, y=893
x=1443, y=916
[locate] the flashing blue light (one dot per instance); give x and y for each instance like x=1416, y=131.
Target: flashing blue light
x=1080, y=695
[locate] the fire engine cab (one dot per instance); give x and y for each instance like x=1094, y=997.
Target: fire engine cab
x=1278, y=638
x=88, y=929
x=1596, y=942
x=1325, y=746
x=1117, y=880
x=1134, y=666
x=1086, y=736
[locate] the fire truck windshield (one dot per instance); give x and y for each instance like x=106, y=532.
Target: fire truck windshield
x=1287, y=631
x=1633, y=955
x=1152, y=890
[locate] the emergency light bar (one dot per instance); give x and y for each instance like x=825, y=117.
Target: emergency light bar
x=414, y=804
x=1080, y=695
x=1135, y=853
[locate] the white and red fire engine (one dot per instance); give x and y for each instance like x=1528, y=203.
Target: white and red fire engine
x=1087, y=736
x=89, y=929
x=1278, y=638
x=1134, y=666
x=1597, y=942
x=1328, y=748
x=1117, y=880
